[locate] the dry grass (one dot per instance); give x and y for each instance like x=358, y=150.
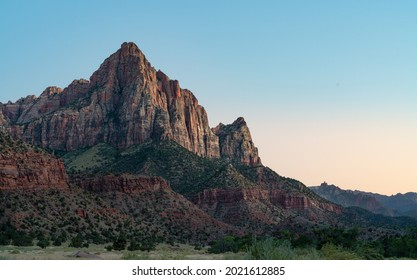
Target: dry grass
x=162, y=252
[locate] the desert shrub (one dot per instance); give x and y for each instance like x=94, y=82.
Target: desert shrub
x=4, y=240
x=347, y=238
x=271, y=249
x=57, y=242
x=108, y=248
x=369, y=253
x=302, y=241
x=147, y=244
x=43, y=243
x=133, y=246
x=400, y=247
x=226, y=244
x=20, y=238
x=120, y=243
x=77, y=241
x=330, y=251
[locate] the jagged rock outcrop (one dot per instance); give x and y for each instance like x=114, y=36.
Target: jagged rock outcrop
x=125, y=102
x=22, y=167
x=235, y=142
x=11, y=111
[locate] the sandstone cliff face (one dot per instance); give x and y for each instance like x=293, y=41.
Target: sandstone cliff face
x=21, y=167
x=236, y=143
x=12, y=111
x=125, y=102
x=126, y=183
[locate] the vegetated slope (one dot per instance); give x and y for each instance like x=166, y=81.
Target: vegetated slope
x=103, y=216
x=251, y=197
x=404, y=204
x=36, y=201
x=356, y=216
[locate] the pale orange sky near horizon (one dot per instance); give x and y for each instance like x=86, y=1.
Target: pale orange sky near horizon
x=379, y=156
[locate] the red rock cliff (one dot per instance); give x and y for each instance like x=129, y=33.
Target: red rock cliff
x=22, y=167
x=130, y=184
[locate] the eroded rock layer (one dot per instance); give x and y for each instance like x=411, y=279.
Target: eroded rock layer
x=23, y=167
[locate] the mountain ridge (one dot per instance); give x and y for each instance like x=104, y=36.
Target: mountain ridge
x=393, y=205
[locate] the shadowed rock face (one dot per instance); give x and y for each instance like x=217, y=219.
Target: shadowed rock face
x=236, y=143
x=22, y=167
x=268, y=207
x=125, y=102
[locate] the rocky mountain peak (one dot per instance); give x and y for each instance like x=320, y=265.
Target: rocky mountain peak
x=51, y=91
x=126, y=102
x=129, y=48
x=235, y=142
x=239, y=122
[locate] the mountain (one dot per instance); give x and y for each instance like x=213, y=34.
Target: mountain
x=141, y=160
x=394, y=205
x=125, y=102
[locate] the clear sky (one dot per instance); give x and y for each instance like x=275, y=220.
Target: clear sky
x=328, y=88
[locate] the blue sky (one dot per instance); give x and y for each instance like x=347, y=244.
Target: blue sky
x=328, y=87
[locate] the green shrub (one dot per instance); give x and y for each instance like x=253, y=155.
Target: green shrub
x=119, y=244
x=271, y=249
x=20, y=238
x=43, y=243
x=330, y=251
x=226, y=244
x=77, y=241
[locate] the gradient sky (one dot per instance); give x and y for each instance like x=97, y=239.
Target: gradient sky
x=328, y=88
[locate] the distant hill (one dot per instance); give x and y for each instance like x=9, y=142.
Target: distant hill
x=394, y=205
x=403, y=204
